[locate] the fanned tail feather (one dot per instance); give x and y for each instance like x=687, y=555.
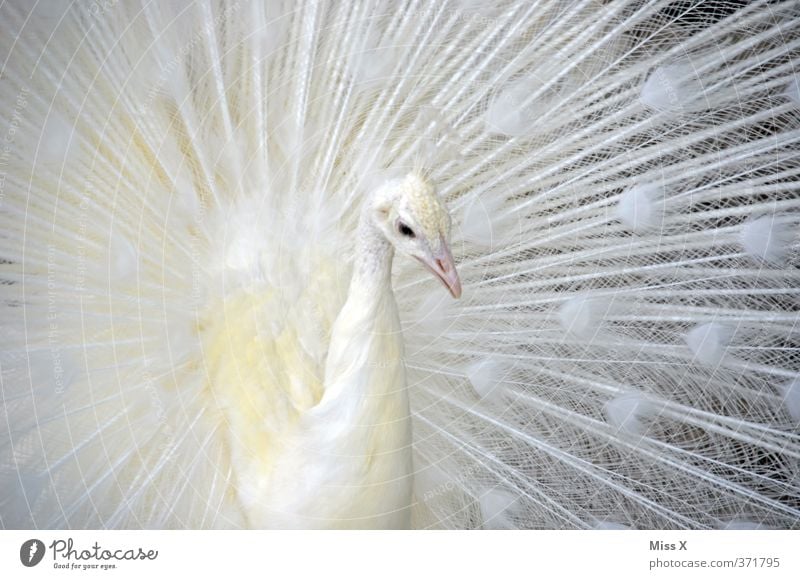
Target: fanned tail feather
x=624, y=184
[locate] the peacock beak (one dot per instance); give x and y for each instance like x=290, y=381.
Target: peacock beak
x=441, y=265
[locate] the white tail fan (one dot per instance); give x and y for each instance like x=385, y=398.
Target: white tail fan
x=180, y=184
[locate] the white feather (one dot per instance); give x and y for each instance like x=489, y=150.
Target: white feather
x=486, y=377
x=641, y=208
x=497, y=508
x=767, y=238
x=515, y=110
x=482, y=225
x=672, y=87
x=507, y=114
x=581, y=316
x=627, y=412
x=709, y=342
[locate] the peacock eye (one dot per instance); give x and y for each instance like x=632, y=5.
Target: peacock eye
x=405, y=230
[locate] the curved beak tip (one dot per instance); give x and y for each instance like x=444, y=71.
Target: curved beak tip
x=443, y=267
x=455, y=287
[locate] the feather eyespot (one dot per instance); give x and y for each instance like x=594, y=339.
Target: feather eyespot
x=405, y=230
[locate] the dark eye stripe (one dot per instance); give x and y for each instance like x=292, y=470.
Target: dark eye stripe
x=406, y=230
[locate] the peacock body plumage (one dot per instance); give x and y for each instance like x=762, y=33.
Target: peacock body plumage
x=181, y=190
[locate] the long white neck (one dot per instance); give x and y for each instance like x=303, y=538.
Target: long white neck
x=372, y=267
x=361, y=429
x=367, y=330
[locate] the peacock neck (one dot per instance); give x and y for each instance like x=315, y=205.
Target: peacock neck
x=366, y=338
x=372, y=267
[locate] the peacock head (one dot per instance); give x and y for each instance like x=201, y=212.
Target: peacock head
x=415, y=221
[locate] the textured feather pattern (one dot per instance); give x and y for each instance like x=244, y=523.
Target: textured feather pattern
x=180, y=185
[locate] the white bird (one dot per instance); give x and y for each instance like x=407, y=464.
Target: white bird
x=339, y=455
x=202, y=323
